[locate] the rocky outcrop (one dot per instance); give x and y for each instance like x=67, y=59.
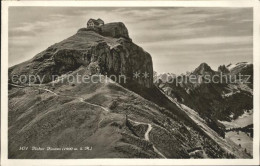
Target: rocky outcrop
x=223, y=69
x=112, y=50
x=125, y=59
x=115, y=30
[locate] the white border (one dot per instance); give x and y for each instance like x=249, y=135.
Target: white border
x=4, y=86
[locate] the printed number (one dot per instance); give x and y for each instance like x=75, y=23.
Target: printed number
x=23, y=148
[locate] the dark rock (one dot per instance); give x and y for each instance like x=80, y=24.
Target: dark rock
x=203, y=69
x=223, y=69
x=116, y=30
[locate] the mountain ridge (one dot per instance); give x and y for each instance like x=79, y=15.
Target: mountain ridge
x=215, y=101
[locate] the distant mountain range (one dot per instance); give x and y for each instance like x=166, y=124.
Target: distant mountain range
x=224, y=101
x=107, y=119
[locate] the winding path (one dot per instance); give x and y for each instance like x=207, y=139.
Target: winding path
x=76, y=97
x=146, y=136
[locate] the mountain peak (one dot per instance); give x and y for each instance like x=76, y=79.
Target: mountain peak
x=203, y=69
x=113, y=29
x=106, y=46
x=204, y=65
x=223, y=69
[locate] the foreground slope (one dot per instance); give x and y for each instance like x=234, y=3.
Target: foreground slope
x=114, y=121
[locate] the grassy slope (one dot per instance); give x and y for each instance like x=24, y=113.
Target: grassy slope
x=40, y=118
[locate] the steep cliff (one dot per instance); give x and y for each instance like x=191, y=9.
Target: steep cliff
x=115, y=30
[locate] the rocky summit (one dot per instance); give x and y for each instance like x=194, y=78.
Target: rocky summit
x=107, y=47
x=203, y=69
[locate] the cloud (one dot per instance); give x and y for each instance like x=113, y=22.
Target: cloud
x=181, y=36
x=214, y=40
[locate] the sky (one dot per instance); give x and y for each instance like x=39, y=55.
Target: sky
x=178, y=39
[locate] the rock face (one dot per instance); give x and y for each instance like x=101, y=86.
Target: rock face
x=115, y=30
x=111, y=48
x=223, y=69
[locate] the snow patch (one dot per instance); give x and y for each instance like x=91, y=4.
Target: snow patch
x=242, y=121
